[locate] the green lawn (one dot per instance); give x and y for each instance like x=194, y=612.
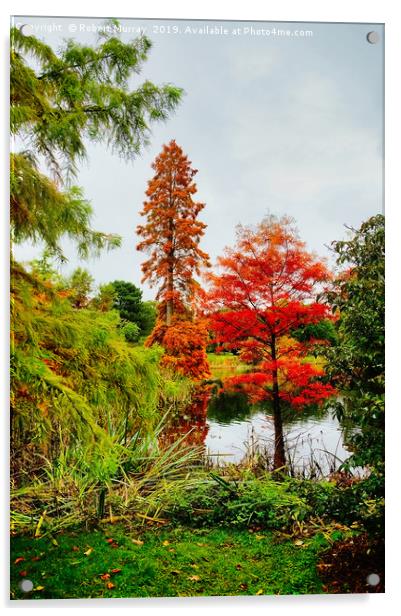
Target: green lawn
x=163, y=562
x=225, y=365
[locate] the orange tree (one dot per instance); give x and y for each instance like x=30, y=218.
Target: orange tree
x=171, y=236
x=266, y=289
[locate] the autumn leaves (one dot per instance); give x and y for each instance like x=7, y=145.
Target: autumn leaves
x=171, y=237
x=266, y=288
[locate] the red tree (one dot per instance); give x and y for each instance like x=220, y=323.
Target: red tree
x=171, y=236
x=172, y=231
x=268, y=288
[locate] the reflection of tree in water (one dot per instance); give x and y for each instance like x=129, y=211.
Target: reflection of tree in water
x=192, y=425
x=195, y=430
x=308, y=451
x=312, y=411
x=228, y=407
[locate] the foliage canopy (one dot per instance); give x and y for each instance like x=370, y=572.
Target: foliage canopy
x=59, y=102
x=267, y=288
x=356, y=363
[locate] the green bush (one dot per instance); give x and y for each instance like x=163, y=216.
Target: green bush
x=361, y=501
x=216, y=501
x=131, y=332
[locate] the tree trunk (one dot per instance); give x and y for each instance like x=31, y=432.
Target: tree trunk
x=170, y=291
x=170, y=277
x=279, y=452
x=169, y=312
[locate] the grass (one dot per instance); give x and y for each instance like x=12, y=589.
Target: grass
x=225, y=365
x=163, y=562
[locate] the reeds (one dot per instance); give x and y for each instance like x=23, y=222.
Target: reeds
x=132, y=484
x=317, y=463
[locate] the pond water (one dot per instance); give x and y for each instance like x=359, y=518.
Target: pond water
x=237, y=430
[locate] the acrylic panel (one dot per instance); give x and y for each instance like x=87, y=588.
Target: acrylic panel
x=197, y=283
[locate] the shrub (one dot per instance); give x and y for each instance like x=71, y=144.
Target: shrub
x=248, y=502
x=131, y=332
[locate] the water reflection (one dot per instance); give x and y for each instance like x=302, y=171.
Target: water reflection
x=233, y=431
x=229, y=407
x=238, y=431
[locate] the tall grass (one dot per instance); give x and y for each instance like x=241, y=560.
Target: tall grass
x=132, y=482
x=86, y=412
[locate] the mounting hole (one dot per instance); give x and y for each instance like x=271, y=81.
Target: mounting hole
x=373, y=37
x=373, y=579
x=26, y=585
x=26, y=29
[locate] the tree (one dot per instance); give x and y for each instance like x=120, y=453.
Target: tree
x=356, y=363
x=268, y=288
x=172, y=235
x=80, y=285
x=324, y=330
x=148, y=316
x=172, y=231
x=128, y=301
x=105, y=298
x=60, y=100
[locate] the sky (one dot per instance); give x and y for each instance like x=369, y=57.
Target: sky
x=280, y=124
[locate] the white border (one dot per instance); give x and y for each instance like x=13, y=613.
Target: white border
x=368, y=11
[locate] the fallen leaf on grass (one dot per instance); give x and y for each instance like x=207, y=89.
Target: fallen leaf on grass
x=259, y=537
x=110, y=585
x=238, y=567
x=137, y=541
x=166, y=542
x=243, y=586
x=194, y=578
x=260, y=591
x=112, y=543
x=105, y=576
x=75, y=548
x=88, y=552
x=39, y=588
x=298, y=542
x=18, y=560
x=35, y=558
x=23, y=573
x=115, y=570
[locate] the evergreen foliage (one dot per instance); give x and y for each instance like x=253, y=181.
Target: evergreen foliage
x=59, y=102
x=356, y=363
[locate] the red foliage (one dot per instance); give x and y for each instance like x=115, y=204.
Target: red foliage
x=184, y=344
x=268, y=287
x=172, y=231
x=298, y=380
x=171, y=236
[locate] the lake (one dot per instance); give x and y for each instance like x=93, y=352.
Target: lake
x=237, y=430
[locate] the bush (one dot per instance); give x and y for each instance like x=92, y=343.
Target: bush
x=361, y=501
x=216, y=501
x=131, y=332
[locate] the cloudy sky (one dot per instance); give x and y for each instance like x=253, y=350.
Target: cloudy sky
x=282, y=124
